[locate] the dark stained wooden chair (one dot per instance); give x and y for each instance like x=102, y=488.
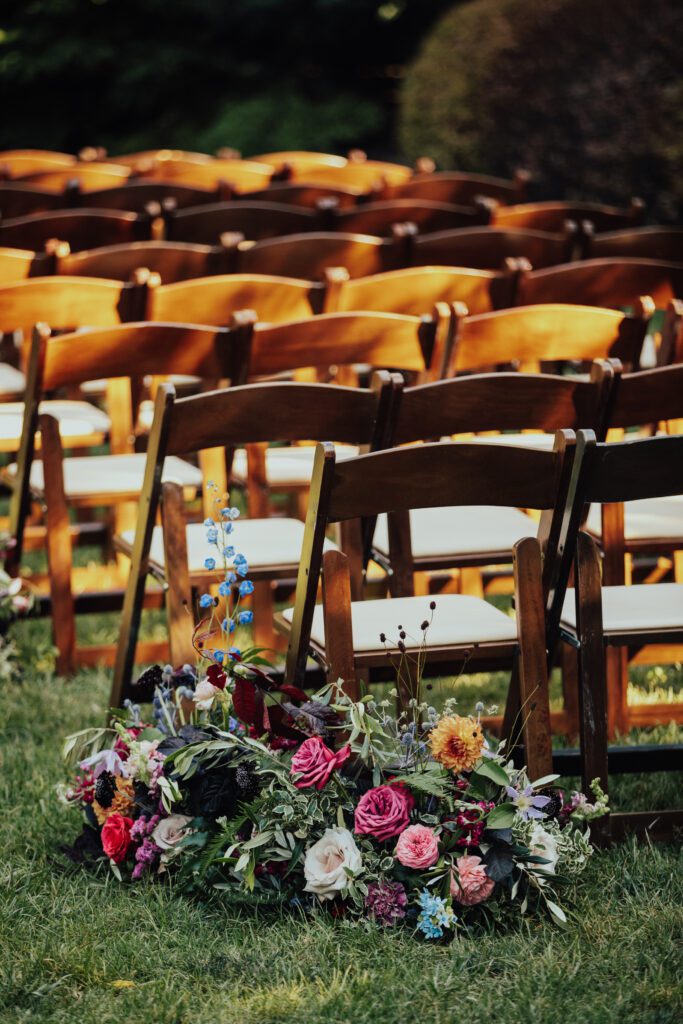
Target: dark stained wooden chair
x=176, y=551
x=461, y=188
x=213, y=300
x=602, y=618
x=82, y=229
x=415, y=290
x=254, y=220
x=136, y=194
x=488, y=247
x=348, y=636
x=172, y=261
x=309, y=255
x=552, y=216
x=17, y=163
x=293, y=193
x=613, y=283
x=377, y=218
x=649, y=243
x=117, y=353
x=20, y=200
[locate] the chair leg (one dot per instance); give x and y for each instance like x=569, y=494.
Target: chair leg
x=58, y=547
x=178, y=592
x=592, y=680
x=616, y=666
x=533, y=658
x=570, y=687
x=337, y=615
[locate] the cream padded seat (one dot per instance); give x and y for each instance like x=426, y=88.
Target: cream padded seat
x=457, y=619
x=113, y=474
x=12, y=381
x=642, y=607
x=76, y=419
x=648, y=519
x=288, y=466
x=263, y=542
x=460, y=530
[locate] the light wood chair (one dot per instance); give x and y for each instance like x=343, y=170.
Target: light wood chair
x=175, y=551
x=89, y=176
x=172, y=261
x=229, y=176
x=136, y=195
x=347, y=636
x=599, y=619
x=82, y=229
x=377, y=218
x=18, y=264
x=356, y=171
x=17, y=163
x=309, y=255
x=118, y=353
x=488, y=247
x=614, y=282
x=213, y=300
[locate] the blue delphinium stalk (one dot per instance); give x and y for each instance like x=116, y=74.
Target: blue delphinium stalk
x=235, y=570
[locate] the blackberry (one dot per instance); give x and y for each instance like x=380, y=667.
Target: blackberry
x=552, y=809
x=105, y=789
x=247, y=780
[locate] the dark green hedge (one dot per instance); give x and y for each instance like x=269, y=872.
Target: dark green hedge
x=587, y=94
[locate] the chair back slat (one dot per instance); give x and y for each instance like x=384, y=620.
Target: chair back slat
x=17, y=163
x=238, y=175
x=604, y=282
x=68, y=302
x=17, y=264
x=254, y=220
x=651, y=243
x=309, y=255
x=377, y=218
x=488, y=247
x=551, y=216
x=294, y=193
x=416, y=290
x=631, y=470
x=454, y=187
x=212, y=300
x=82, y=229
x=646, y=397
x=20, y=200
x=91, y=175
x=172, y=261
x=137, y=194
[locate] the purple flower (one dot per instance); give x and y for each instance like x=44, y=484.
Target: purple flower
x=146, y=856
x=386, y=902
x=528, y=806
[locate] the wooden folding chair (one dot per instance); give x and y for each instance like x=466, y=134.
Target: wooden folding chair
x=229, y=176
x=652, y=243
x=82, y=229
x=598, y=619
x=17, y=264
x=293, y=193
x=349, y=636
x=136, y=194
x=356, y=171
x=309, y=255
x=149, y=160
x=552, y=216
x=613, y=282
x=89, y=176
x=461, y=188
x=416, y=289
x=377, y=218
x=172, y=261
x=20, y=200
x=213, y=300
x=17, y=163
x=254, y=220
x=175, y=552
x=488, y=247
x=118, y=353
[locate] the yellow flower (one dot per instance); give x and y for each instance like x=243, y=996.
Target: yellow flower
x=457, y=742
x=121, y=804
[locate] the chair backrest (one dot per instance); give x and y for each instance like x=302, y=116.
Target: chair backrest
x=213, y=300
x=69, y=302
x=429, y=215
x=172, y=261
x=236, y=175
x=646, y=397
x=254, y=220
x=322, y=168
x=88, y=175
x=149, y=159
x=381, y=340
x=488, y=247
x=82, y=229
x=649, y=467
x=16, y=264
x=551, y=216
x=309, y=255
x=20, y=200
x=652, y=243
x=606, y=282
x=531, y=334
x=293, y=193
x=416, y=289
x=16, y=163
x=136, y=194
x=400, y=479
x=461, y=188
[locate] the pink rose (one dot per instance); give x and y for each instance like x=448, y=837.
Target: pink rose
x=473, y=885
x=417, y=847
x=383, y=812
x=315, y=762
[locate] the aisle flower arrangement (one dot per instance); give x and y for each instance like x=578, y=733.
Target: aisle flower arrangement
x=236, y=783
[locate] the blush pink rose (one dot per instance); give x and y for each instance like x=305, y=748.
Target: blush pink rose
x=417, y=847
x=473, y=884
x=315, y=762
x=383, y=812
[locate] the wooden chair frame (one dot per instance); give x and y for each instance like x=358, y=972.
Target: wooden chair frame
x=172, y=261
x=611, y=282
x=487, y=247
x=552, y=215
x=650, y=243
x=82, y=229
x=204, y=225
x=309, y=255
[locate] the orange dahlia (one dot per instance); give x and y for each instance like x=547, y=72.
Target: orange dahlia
x=122, y=800
x=457, y=742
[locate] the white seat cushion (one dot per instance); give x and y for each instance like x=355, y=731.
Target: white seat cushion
x=113, y=474
x=461, y=530
x=76, y=419
x=288, y=466
x=649, y=519
x=543, y=441
x=12, y=381
x=638, y=608
x=457, y=619
x=263, y=542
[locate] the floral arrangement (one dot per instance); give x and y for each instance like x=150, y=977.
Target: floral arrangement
x=255, y=788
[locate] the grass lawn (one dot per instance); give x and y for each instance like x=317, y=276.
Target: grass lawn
x=68, y=939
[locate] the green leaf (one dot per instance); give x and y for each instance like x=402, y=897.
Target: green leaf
x=545, y=780
x=501, y=816
x=493, y=771
x=556, y=912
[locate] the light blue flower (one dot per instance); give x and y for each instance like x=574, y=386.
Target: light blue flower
x=429, y=928
x=224, y=589
x=209, y=563
x=246, y=587
x=205, y=601
x=528, y=806
x=209, y=522
x=212, y=535
x=245, y=618
x=234, y=653
x=219, y=656
x=230, y=513
x=240, y=559
x=435, y=916
x=242, y=569
x=229, y=552
x=228, y=528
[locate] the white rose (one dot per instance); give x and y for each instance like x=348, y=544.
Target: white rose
x=543, y=844
x=169, y=832
x=204, y=694
x=326, y=860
